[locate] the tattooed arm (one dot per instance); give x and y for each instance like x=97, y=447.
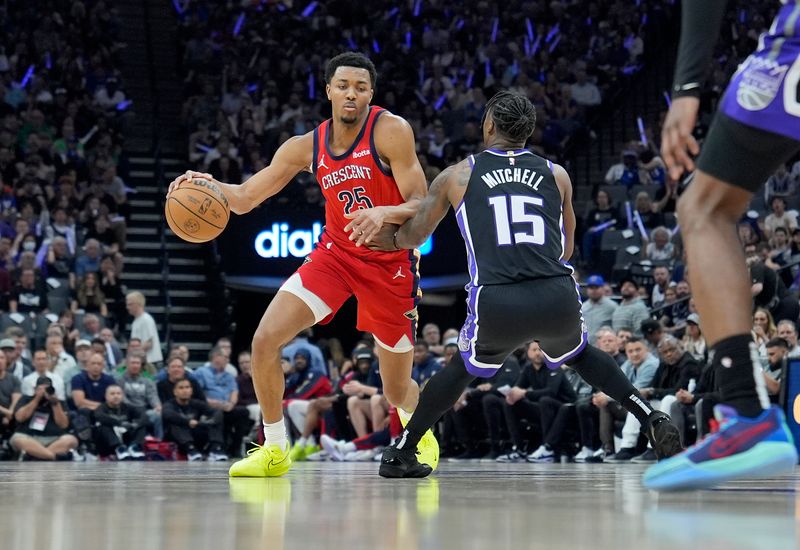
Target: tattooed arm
x=447, y=189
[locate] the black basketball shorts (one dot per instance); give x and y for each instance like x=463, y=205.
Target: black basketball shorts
x=742, y=155
x=501, y=318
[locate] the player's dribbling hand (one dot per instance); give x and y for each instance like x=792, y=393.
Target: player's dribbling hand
x=366, y=224
x=186, y=176
x=677, y=140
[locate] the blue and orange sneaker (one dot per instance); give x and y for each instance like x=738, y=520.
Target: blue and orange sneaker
x=742, y=448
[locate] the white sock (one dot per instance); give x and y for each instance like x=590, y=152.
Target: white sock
x=275, y=434
x=301, y=442
x=311, y=441
x=349, y=447
x=405, y=416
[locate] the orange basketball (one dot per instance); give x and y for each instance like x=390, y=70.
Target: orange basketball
x=197, y=211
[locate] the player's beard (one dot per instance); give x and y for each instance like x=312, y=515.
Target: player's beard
x=349, y=120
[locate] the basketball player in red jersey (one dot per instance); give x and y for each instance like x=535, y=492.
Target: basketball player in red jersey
x=365, y=162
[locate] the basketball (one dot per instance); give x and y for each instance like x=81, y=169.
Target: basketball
x=197, y=211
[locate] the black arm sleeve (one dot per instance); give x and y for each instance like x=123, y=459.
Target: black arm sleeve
x=700, y=23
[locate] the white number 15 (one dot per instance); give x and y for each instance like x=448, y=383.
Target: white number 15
x=518, y=216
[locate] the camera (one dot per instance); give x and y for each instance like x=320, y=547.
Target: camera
x=50, y=390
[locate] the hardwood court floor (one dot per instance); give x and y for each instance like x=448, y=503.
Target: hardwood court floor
x=475, y=505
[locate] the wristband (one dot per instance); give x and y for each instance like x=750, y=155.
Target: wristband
x=691, y=89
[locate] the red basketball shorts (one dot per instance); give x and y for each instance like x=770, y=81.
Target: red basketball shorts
x=385, y=285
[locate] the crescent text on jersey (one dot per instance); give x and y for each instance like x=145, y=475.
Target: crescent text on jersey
x=349, y=172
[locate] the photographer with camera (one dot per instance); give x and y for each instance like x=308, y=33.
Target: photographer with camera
x=120, y=428
x=41, y=368
x=42, y=424
x=193, y=424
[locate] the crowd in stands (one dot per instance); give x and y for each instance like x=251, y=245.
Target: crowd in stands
x=437, y=62
x=74, y=383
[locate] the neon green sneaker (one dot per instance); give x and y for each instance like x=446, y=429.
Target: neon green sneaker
x=427, y=448
x=267, y=461
x=298, y=453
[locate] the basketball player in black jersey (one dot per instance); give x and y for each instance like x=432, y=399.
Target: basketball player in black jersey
x=515, y=213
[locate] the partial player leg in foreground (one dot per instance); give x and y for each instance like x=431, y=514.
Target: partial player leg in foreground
x=756, y=129
x=753, y=440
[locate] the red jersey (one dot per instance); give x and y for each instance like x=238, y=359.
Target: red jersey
x=354, y=180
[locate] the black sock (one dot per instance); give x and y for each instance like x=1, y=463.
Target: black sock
x=440, y=393
x=601, y=371
x=737, y=368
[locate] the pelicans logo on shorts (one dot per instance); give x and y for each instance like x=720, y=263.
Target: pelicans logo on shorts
x=412, y=314
x=759, y=83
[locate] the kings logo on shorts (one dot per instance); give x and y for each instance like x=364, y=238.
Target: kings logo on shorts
x=759, y=83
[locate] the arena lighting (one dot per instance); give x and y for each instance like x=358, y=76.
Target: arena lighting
x=239, y=22
x=27, y=77
x=310, y=9
x=281, y=240
x=642, y=134
x=529, y=26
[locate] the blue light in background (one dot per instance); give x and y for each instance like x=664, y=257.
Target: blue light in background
x=426, y=247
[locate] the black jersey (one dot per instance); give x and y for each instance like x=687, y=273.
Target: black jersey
x=511, y=219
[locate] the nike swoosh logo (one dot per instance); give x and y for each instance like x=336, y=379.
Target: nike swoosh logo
x=272, y=464
x=726, y=447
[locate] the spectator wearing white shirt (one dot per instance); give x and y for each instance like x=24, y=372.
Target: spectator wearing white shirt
x=662, y=283
x=108, y=96
x=779, y=217
x=41, y=367
x=63, y=363
x=585, y=92
x=788, y=331
x=660, y=248
x=144, y=327
x=598, y=310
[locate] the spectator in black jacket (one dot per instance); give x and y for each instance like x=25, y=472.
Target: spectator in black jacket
x=193, y=424
x=176, y=370
x=558, y=416
x=675, y=370
x=120, y=428
x=522, y=401
x=469, y=415
x=698, y=401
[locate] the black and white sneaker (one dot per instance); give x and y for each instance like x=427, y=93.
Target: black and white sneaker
x=402, y=463
x=623, y=455
x=663, y=435
x=514, y=455
x=648, y=456
x=135, y=452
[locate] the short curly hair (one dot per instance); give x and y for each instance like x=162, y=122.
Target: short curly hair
x=351, y=59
